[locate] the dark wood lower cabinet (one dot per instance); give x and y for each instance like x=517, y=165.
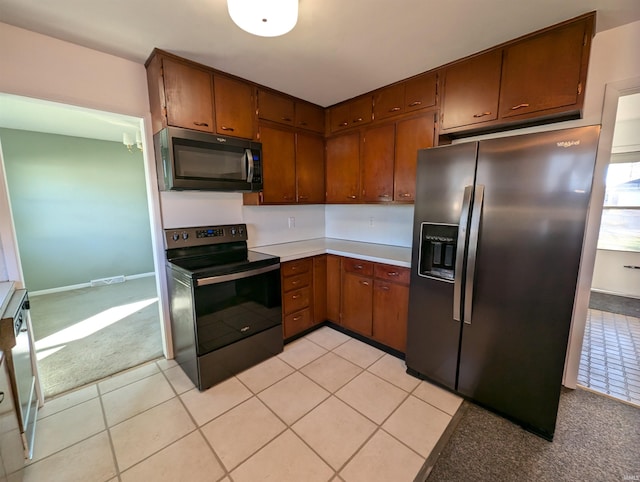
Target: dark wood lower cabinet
x=334, y=287
x=357, y=303
x=390, y=305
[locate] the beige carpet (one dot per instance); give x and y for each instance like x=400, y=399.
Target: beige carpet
x=87, y=334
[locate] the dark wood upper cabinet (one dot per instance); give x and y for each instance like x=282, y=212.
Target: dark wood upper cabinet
x=343, y=169
x=377, y=163
x=278, y=166
x=411, y=135
x=309, y=117
x=309, y=169
x=188, y=98
x=543, y=72
x=353, y=113
x=471, y=91
x=276, y=108
x=234, y=107
x=413, y=94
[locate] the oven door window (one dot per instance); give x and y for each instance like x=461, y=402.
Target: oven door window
x=200, y=160
x=229, y=311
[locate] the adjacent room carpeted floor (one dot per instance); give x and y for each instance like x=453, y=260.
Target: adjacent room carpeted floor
x=597, y=439
x=87, y=334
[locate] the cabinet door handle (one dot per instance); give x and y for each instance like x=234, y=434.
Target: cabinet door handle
x=302, y=123
x=359, y=119
x=353, y=196
x=343, y=124
x=519, y=106
x=225, y=128
x=364, y=283
x=286, y=119
x=384, y=196
x=296, y=318
x=417, y=102
x=244, y=329
x=406, y=194
x=303, y=197
x=358, y=266
x=482, y=114
x=394, y=109
x=201, y=124
x=392, y=273
x=384, y=288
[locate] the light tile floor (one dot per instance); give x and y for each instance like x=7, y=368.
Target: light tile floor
x=329, y=408
x=610, y=359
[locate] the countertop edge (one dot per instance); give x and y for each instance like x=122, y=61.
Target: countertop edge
x=379, y=253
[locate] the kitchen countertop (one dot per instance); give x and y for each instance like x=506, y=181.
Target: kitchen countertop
x=379, y=253
x=6, y=290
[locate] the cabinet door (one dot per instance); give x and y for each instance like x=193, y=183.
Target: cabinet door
x=339, y=117
x=388, y=102
x=377, y=163
x=471, y=91
x=343, y=169
x=357, y=303
x=274, y=107
x=234, y=107
x=310, y=169
x=188, y=96
x=420, y=92
x=319, y=288
x=309, y=117
x=411, y=135
x=278, y=166
x=360, y=111
x=334, y=288
x=543, y=72
x=390, y=307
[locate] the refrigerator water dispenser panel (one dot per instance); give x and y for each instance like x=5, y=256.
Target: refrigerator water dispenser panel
x=438, y=251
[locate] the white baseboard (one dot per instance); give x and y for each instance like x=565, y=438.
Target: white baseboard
x=87, y=285
x=626, y=295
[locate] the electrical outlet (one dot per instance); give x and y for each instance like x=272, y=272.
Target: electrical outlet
x=292, y=222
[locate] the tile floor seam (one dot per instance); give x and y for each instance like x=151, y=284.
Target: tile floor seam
x=108, y=430
x=129, y=370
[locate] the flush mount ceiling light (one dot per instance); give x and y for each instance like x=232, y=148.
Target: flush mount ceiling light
x=266, y=18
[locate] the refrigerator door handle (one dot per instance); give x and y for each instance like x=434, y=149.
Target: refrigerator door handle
x=474, y=233
x=460, y=249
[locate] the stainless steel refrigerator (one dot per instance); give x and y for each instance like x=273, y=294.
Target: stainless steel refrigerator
x=498, y=232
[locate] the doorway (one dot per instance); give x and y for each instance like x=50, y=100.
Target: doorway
x=76, y=184
x=610, y=358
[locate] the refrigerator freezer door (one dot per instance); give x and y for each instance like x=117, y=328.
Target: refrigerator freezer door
x=537, y=190
x=433, y=336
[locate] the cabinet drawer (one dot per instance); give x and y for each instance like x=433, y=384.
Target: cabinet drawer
x=296, y=300
x=296, y=282
x=296, y=267
x=392, y=273
x=364, y=268
x=297, y=322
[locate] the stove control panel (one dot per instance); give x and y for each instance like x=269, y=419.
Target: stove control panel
x=204, y=235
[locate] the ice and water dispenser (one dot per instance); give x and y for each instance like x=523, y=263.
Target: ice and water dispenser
x=438, y=250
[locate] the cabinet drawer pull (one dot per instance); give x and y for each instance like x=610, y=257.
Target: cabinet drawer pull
x=201, y=124
x=519, y=106
x=296, y=318
x=296, y=282
x=302, y=123
x=286, y=119
x=385, y=196
x=394, y=109
x=303, y=197
x=295, y=297
x=359, y=119
x=417, y=102
x=358, y=266
x=406, y=194
x=353, y=196
x=244, y=329
x=343, y=124
x=364, y=283
x=481, y=115
x=384, y=288
x=225, y=128
x=392, y=273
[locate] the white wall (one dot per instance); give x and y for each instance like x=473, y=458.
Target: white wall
x=270, y=224
x=371, y=223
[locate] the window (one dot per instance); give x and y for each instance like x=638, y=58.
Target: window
x=620, y=226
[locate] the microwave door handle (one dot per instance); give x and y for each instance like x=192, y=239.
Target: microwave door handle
x=249, y=155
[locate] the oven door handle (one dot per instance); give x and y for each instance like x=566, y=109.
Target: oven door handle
x=234, y=276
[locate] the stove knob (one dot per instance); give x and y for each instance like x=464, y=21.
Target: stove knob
x=233, y=231
x=185, y=235
x=176, y=236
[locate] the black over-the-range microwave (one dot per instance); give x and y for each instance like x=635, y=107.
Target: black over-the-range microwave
x=187, y=159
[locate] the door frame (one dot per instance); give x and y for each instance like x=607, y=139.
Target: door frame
x=613, y=92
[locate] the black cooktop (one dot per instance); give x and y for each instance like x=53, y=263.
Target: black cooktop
x=221, y=263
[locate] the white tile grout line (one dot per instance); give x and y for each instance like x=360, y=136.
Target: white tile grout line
x=227, y=472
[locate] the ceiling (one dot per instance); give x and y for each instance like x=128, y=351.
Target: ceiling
x=338, y=49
